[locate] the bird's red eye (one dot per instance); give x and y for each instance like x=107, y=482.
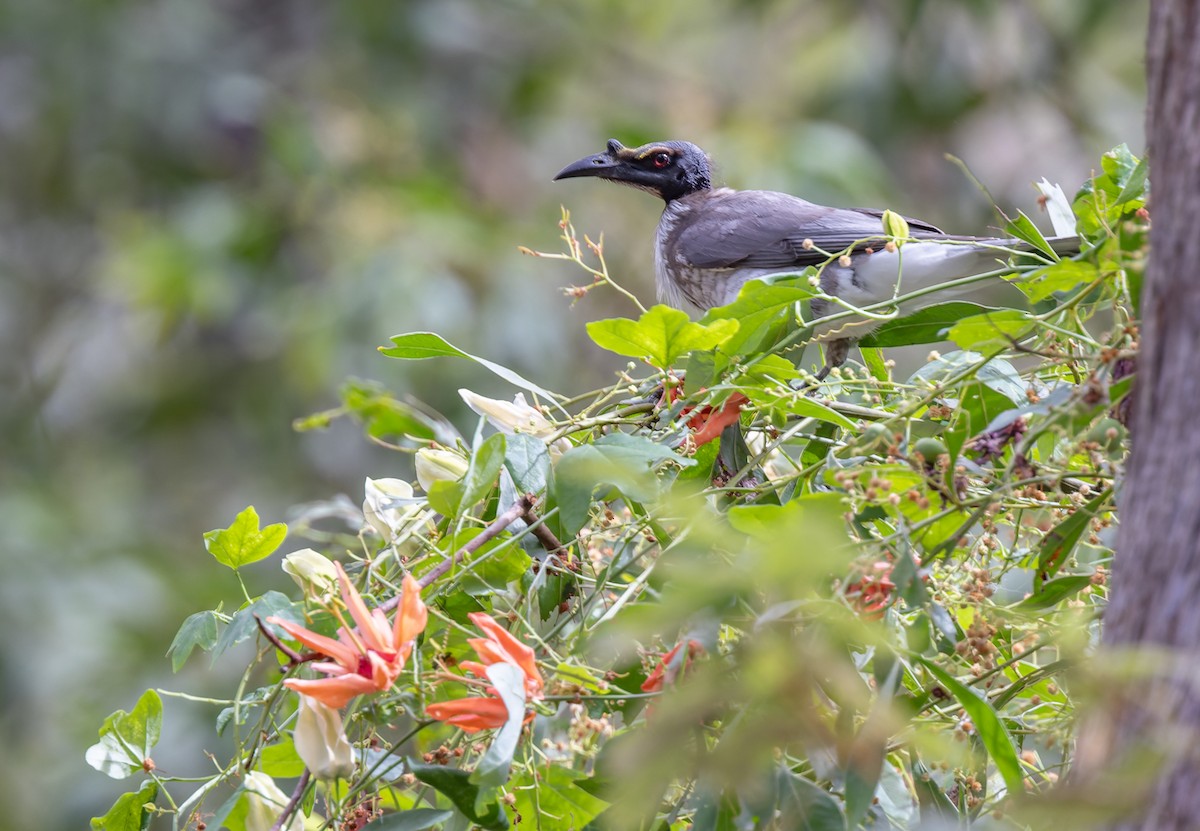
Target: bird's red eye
x=661, y=160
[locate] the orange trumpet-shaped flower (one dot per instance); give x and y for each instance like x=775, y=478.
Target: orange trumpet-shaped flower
x=655, y=680
x=475, y=714
x=366, y=659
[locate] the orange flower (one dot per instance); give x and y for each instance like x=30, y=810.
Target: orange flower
x=655, y=680
x=366, y=659
x=475, y=714
x=708, y=422
x=871, y=594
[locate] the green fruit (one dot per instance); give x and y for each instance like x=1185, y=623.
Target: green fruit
x=930, y=449
x=1108, y=433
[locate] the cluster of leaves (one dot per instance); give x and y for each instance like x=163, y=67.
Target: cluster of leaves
x=854, y=608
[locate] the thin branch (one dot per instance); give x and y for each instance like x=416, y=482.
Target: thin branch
x=294, y=802
x=518, y=509
x=538, y=528
x=294, y=658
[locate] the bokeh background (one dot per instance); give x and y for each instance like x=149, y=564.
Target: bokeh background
x=211, y=213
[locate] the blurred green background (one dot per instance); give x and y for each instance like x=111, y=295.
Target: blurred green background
x=211, y=213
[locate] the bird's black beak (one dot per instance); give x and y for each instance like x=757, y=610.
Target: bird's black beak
x=600, y=165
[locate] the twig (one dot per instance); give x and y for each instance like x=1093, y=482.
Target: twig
x=519, y=509
x=294, y=657
x=294, y=802
x=539, y=530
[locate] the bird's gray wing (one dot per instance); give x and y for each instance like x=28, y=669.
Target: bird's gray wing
x=765, y=229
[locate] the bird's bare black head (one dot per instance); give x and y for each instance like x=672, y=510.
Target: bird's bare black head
x=668, y=169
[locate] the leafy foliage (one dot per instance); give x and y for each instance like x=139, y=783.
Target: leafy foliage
x=853, y=609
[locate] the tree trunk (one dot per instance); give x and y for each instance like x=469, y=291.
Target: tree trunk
x=1155, y=599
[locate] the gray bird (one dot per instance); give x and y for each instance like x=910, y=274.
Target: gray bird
x=712, y=241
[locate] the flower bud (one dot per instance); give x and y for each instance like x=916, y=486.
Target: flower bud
x=390, y=507
x=439, y=465
x=314, y=573
x=515, y=417
x=321, y=740
x=265, y=803
x=895, y=225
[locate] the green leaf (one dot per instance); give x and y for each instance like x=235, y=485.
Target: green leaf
x=557, y=795
x=417, y=819
x=926, y=325
x=763, y=309
x=280, y=760
x=456, y=785
x=617, y=460
x=1023, y=228
x=126, y=739
x=809, y=806
x=199, y=630
x=809, y=408
x=873, y=358
x=492, y=770
x=991, y=330
x=1053, y=592
x=1064, y=275
x=1060, y=540
x=933, y=800
x=486, y=462
x=417, y=346
x=988, y=727
x=661, y=336
x=130, y=811
x=528, y=462
x=385, y=417
x=243, y=542
x=243, y=624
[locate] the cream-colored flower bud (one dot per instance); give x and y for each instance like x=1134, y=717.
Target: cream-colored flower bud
x=265, y=802
x=439, y=465
x=321, y=740
x=313, y=572
x=390, y=507
x=515, y=417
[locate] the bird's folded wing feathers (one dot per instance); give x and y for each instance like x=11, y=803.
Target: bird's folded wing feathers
x=764, y=229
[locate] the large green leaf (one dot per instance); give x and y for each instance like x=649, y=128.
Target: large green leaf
x=1052, y=592
x=988, y=727
x=763, y=308
x=244, y=542
x=1064, y=275
x=617, y=460
x=557, y=799
x=661, y=336
x=126, y=739
x=486, y=461
x=926, y=325
x=417, y=819
x=417, y=346
x=456, y=786
x=199, y=630
x=1061, y=539
x=806, y=805
x=129, y=812
x=991, y=330
x=528, y=462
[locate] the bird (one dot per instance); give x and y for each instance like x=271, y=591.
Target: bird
x=711, y=241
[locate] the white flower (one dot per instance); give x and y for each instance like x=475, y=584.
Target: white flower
x=391, y=509
x=321, y=740
x=314, y=573
x=436, y=464
x=265, y=803
x=515, y=417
